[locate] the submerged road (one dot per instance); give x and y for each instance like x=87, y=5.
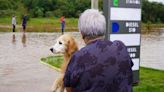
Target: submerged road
x=21, y=70
x=20, y=67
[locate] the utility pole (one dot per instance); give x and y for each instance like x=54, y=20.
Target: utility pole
x=94, y=4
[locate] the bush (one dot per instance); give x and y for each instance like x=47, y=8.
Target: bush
x=49, y=14
x=4, y=13
x=58, y=13
x=37, y=12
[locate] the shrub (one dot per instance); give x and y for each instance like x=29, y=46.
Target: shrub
x=9, y=12
x=58, y=13
x=49, y=14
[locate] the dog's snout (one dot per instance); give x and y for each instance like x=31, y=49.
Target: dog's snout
x=51, y=49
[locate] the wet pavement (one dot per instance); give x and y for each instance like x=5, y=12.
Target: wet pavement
x=21, y=70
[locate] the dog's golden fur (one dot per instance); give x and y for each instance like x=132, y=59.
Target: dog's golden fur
x=71, y=47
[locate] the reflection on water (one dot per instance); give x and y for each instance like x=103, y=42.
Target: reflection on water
x=13, y=39
x=24, y=39
x=19, y=65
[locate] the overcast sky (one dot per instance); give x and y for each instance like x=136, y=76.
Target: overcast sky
x=158, y=1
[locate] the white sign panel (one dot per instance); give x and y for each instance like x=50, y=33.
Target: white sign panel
x=133, y=14
x=136, y=64
x=128, y=39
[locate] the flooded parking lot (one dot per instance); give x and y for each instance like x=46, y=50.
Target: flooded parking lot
x=20, y=67
x=20, y=53
x=152, y=50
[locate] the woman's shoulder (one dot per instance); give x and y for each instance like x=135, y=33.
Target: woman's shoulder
x=118, y=42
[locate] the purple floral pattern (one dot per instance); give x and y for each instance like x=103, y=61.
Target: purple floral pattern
x=101, y=66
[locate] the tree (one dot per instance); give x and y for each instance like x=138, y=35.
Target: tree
x=151, y=11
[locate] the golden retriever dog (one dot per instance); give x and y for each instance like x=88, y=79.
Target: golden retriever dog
x=65, y=45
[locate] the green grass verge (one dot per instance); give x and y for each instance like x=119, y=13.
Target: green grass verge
x=151, y=80
x=52, y=24
x=41, y=24
x=71, y=22
x=54, y=62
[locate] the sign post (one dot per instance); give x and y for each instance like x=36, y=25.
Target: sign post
x=94, y=4
x=123, y=19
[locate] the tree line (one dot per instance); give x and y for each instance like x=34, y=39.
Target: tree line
x=44, y=8
x=151, y=11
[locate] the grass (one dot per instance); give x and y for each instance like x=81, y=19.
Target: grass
x=148, y=28
x=42, y=24
x=151, y=80
x=52, y=24
x=38, y=21
x=53, y=61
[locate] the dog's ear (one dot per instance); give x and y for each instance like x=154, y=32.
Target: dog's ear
x=72, y=46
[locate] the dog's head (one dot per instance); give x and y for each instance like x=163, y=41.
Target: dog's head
x=65, y=44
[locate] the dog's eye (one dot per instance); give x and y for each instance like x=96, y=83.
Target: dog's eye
x=60, y=42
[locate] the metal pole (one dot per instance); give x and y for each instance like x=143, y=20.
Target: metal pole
x=94, y=4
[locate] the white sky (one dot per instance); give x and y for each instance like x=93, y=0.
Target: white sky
x=158, y=1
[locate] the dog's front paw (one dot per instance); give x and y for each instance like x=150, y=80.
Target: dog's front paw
x=54, y=88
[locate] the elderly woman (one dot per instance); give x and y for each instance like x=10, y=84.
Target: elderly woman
x=102, y=65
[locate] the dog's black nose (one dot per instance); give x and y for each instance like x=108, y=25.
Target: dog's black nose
x=51, y=49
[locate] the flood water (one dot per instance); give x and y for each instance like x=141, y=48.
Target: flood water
x=152, y=50
x=20, y=53
x=20, y=67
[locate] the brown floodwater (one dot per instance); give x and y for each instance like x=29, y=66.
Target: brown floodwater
x=20, y=67
x=20, y=53
x=152, y=50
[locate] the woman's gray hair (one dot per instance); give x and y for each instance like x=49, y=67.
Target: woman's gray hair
x=92, y=24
